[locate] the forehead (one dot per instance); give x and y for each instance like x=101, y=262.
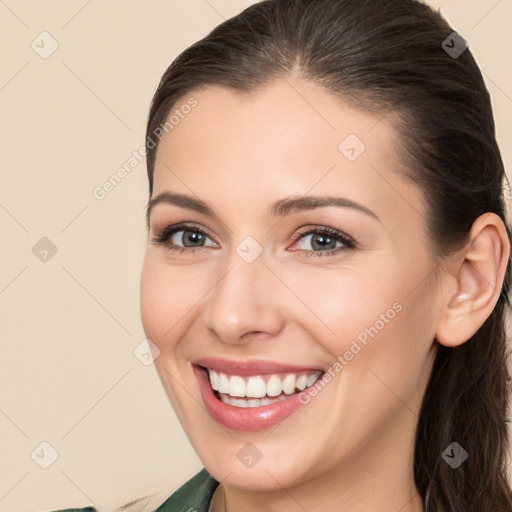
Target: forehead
x=288, y=138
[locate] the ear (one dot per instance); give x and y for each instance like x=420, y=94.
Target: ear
x=475, y=280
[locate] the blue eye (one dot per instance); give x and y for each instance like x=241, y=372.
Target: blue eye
x=189, y=238
x=189, y=235
x=325, y=241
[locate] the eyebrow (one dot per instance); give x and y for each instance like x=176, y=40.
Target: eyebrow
x=279, y=208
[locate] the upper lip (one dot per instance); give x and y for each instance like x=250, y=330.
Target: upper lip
x=250, y=367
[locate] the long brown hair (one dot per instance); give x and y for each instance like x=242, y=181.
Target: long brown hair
x=399, y=58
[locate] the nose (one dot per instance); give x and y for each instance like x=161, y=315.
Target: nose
x=244, y=303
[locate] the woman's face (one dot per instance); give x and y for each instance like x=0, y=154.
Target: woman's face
x=257, y=294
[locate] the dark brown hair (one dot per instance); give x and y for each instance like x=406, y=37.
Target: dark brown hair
x=388, y=57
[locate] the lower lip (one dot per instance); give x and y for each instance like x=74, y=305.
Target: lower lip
x=244, y=418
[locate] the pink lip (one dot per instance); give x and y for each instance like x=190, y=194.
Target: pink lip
x=246, y=419
x=244, y=368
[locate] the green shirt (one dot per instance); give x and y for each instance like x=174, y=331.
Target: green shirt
x=194, y=495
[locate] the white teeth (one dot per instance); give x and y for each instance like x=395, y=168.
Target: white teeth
x=223, y=383
x=289, y=384
x=255, y=402
x=236, y=386
x=301, y=382
x=274, y=386
x=312, y=379
x=256, y=387
x=214, y=380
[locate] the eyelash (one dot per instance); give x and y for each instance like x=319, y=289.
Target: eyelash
x=166, y=233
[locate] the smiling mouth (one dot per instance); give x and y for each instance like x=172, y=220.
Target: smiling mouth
x=252, y=395
x=250, y=391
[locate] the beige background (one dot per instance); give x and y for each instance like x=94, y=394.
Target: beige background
x=69, y=326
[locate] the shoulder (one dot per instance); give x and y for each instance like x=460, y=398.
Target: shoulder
x=195, y=494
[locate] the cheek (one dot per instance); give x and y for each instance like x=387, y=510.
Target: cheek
x=367, y=316
x=167, y=300
x=385, y=351
x=345, y=305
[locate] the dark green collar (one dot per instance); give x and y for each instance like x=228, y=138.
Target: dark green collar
x=195, y=494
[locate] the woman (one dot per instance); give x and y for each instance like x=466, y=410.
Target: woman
x=327, y=265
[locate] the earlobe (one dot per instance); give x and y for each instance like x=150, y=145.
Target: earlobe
x=477, y=278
